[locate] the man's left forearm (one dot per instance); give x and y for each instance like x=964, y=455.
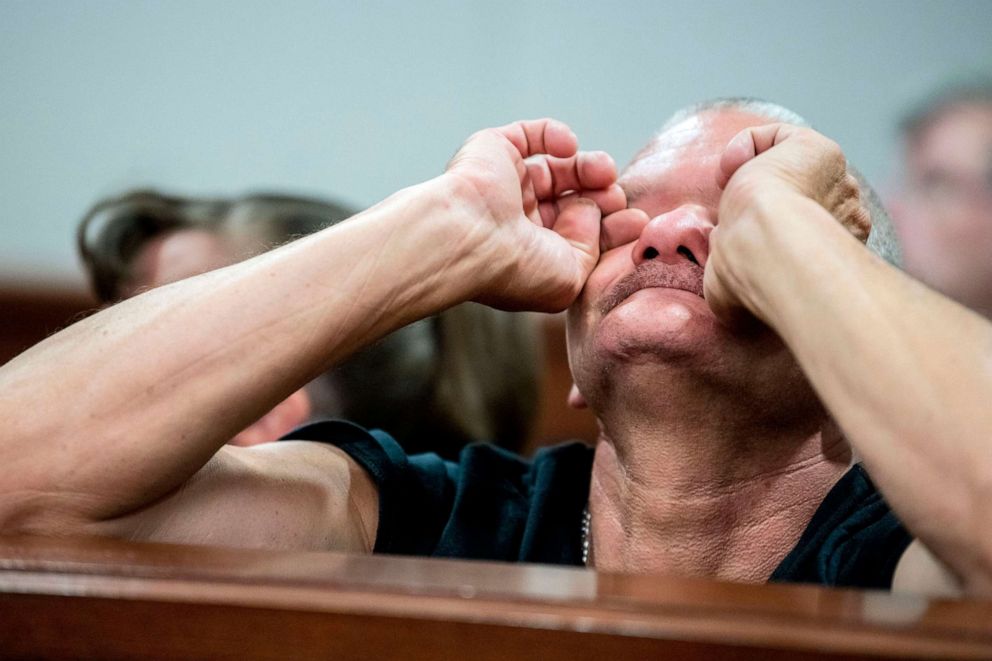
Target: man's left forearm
x=906, y=372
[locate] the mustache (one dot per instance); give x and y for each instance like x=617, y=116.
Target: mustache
x=685, y=276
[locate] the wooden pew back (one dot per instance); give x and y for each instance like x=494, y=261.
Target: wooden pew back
x=90, y=598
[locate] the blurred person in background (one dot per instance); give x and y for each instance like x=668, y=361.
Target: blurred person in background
x=943, y=212
x=467, y=374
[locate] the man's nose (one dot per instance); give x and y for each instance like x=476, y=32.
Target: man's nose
x=679, y=235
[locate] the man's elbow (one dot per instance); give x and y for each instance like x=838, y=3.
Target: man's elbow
x=978, y=581
x=978, y=577
x=39, y=513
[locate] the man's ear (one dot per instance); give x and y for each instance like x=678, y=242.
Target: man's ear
x=575, y=398
x=284, y=418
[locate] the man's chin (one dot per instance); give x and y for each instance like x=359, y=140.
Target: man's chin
x=663, y=309
x=666, y=323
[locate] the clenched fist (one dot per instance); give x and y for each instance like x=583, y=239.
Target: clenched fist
x=535, y=204
x=775, y=178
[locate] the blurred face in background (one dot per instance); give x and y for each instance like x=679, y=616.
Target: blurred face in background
x=944, y=215
x=176, y=256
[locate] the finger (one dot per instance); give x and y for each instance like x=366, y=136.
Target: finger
x=540, y=175
x=584, y=171
x=856, y=219
x=621, y=227
x=861, y=224
x=726, y=307
x=578, y=223
x=555, y=176
x=715, y=296
x=749, y=143
x=843, y=201
x=541, y=136
x=609, y=200
x=596, y=169
x=548, y=212
x=529, y=201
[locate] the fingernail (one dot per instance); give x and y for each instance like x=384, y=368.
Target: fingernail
x=585, y=201
x=743, y=141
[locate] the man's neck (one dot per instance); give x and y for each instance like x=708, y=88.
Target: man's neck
x=723, y=501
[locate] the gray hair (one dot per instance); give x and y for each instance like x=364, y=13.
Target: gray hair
x=882, y=239
x=747, y=104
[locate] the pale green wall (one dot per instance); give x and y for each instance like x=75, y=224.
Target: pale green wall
x=358, y=99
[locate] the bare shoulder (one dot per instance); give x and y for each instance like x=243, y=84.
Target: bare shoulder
x=920, y=572
x=290, y=495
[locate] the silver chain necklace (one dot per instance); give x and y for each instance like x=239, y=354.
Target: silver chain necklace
x=586, y=534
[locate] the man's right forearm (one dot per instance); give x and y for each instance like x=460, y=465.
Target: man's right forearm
x=124, y=406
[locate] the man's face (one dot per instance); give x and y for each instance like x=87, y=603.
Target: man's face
x=642, y=308
x=944, y=218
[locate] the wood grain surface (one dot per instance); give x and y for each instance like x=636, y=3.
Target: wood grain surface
x=96, y=598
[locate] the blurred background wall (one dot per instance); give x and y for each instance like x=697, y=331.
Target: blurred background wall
x=358, y=99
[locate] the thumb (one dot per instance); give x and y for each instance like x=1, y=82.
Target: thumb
x=739, y=151
x=578, y=223
x=749, y=143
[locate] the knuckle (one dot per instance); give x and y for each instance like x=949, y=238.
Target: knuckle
x=857, y=220
x=833, y=151
x=810, y=137
x=830, y=149
x=848, y=191
x=865, y=224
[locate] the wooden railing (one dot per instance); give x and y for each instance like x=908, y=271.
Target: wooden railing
x=89, y=598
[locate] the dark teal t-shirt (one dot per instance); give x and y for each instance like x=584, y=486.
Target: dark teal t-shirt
x=494, y=505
